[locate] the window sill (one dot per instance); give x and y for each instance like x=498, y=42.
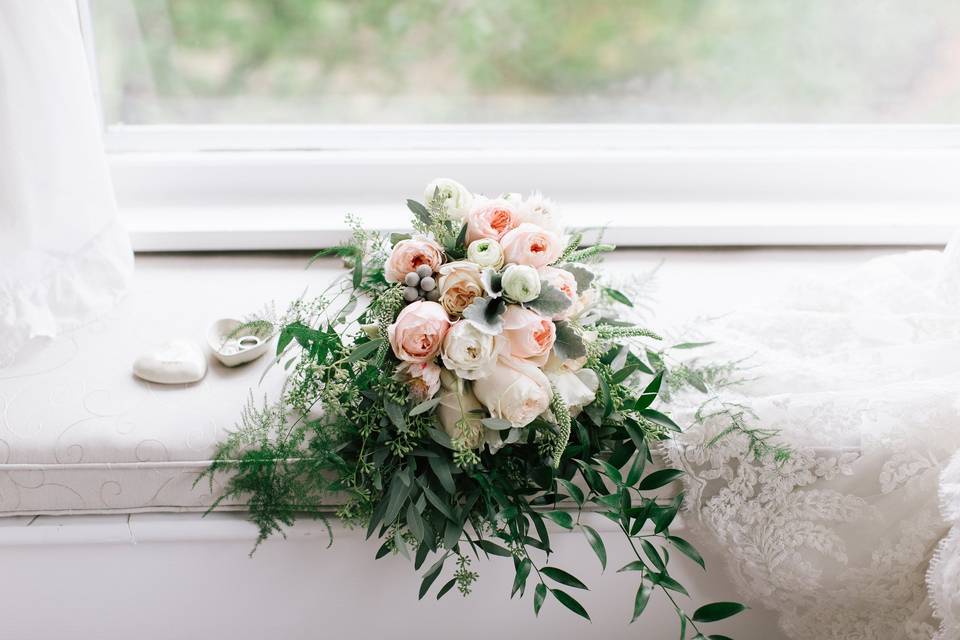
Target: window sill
x=640, y=224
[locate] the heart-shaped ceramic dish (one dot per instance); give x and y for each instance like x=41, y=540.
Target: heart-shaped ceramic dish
x=232, y=347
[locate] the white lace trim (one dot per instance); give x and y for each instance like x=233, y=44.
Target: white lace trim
x=943, y=577
x=70, y=291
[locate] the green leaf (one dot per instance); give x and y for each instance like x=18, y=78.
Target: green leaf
x=611, y=472
x=487, y=314
x=357, y=273
x=636, y=469
x=399, y=237
x=568, y=343
x=497, y=424
x=424, y=406
x=365, y=350
x=575, y=492
x=650, y=393
x=564, y=578
x=690, y=345
x=687, y=549
x=397, y=495
x=659, y=478
x=446, y=587
x=562, y=518
x=570, y=603
x=616, y=295
x=717, y=611
x=663, y=516
x=494, y=549
x=440, y=437
x=441, y=469
x=641, y=600
x=461, y=241
x=420, y=211
x=539, y=595
x=667, y=582
x=395, y=413
x=636, y=565
x=550, y=302
x=430, y=576
x=596, y=543
x=451, y=534
x=627, y=371
x=415, y=522
x=520, y=580
x=660, y=418
x=651, y=552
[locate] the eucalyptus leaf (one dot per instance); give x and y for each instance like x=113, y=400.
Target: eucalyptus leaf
x=365, y=350
x=497, y=424
x=420, y=212
x=539, y=595
x=564, y=578
x=641, y=600
x=425, y=406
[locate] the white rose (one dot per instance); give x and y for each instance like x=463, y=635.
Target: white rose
x=455, y=411
x=515, y=391
x=469, y=352
x=577, y=388
x=521, y=283
x=542, y=212
x=460, y=282
x=486, y=252
x=452, y=195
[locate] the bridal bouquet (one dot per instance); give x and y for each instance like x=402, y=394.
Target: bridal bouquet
x=465, y=390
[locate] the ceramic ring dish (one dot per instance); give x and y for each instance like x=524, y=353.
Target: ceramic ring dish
x=233, y=346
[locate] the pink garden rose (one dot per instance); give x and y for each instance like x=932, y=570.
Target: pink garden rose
x=409, y=254
x=422, y=378
x=567, y=284
x=418, y=331
x=530, y=335
x=491, y=219
x=531, y=245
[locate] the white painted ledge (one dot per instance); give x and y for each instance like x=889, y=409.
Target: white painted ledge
x=643, y=224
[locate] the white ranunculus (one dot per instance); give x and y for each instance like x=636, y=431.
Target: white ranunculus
x=577, y=388
x=453, y=196
x=469, y=352
x=486, y=252
x=521, y=283
x=515, y=391
x=455, y=411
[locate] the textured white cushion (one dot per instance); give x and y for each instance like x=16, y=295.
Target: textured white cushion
x=80, y=433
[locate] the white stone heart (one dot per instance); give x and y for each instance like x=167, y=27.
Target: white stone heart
x=173, y=362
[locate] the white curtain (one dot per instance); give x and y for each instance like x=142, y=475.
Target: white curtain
x=63, y=255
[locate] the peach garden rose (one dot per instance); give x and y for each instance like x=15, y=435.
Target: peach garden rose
x=459, y=284
x=531, y=245
x=409, y=254
x=418, y=332
x=491, y=219
x=530, y=335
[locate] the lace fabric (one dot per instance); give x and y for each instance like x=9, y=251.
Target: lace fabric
x=859, y=378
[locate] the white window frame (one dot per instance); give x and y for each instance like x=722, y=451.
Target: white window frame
x=288, y=187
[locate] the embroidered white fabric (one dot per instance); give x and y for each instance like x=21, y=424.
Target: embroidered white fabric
x=860, y=378
x=63, y=256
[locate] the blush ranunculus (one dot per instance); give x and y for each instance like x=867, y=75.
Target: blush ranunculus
x=529, y=334
x=409, y=254
x=531, y=245
x=491, y=219
x=516, y=391
x=418, y=331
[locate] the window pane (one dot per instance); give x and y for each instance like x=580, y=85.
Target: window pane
x=543, y=61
